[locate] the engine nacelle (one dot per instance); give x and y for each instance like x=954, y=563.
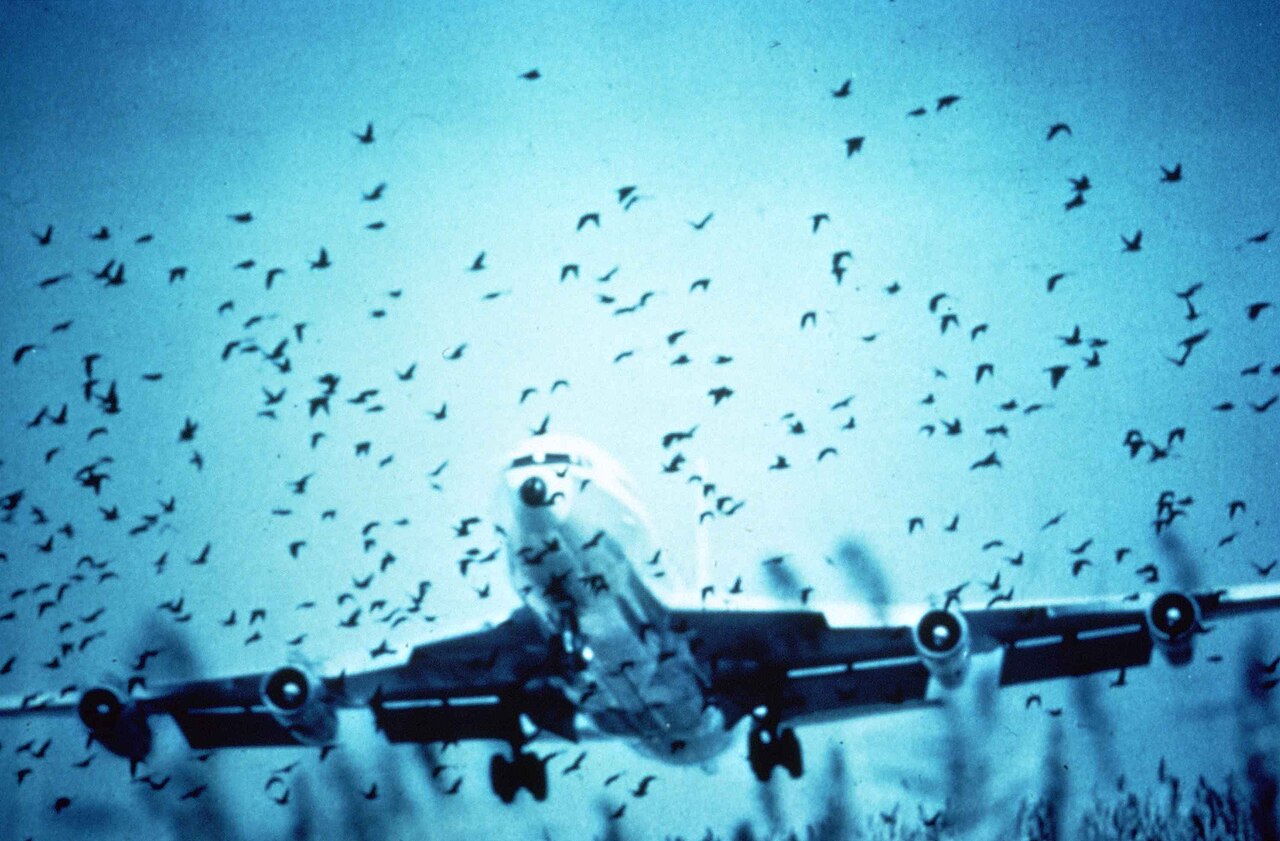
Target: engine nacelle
x=297, y=702
x=942, y=641
x=116, y=723
x=1173, y=619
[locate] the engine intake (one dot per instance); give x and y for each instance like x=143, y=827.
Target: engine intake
x=115, y=722
x=942, y=641
x=1173, y=619
x=296, y=701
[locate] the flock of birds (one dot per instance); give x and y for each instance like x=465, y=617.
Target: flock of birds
x=73, y=434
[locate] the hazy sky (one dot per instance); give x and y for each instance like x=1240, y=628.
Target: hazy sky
x=163, y=119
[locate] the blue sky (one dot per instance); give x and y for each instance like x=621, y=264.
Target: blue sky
x=163, y=119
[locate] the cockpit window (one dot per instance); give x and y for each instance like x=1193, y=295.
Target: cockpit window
x=550, y=458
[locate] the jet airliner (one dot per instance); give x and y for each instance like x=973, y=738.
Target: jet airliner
x=594, y=653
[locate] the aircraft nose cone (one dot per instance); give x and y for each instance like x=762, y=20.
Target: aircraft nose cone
x=533, y=492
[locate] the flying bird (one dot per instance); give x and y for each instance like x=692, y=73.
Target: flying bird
x=992, y=460
x=1254, y=310
x=365, y=137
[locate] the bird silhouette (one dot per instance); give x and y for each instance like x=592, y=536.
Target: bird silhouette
x=1056, y=129
x=720, y=394
x=991, y=460
x=365, y=137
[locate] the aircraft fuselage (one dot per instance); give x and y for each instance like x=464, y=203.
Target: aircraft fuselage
x=576, y=539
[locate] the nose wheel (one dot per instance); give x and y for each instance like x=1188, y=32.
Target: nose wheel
x=772, y=747
x=523, y=771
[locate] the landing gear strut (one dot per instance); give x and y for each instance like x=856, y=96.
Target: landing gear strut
x=769, y=747
x=524, y=770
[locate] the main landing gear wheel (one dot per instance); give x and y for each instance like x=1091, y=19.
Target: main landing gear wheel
x=768, y=748
x=523, y=771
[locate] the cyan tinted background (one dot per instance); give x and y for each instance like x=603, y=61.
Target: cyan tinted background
x=163, y=118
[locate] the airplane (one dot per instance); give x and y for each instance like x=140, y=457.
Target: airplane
x=593, y=652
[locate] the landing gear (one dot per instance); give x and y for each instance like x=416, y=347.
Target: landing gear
x=575, y=653
x=769, y=748
x=524, y=770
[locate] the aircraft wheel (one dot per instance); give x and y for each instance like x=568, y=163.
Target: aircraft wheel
x=503, y=778
x=533, y=775
x=789, y=754
x=760, y=754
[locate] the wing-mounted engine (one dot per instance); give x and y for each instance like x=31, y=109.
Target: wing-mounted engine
x=116, y=722
x=942, y=640
x=299, y=703
x=1172, y=620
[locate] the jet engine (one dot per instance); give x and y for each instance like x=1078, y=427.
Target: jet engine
x=297, y=702
x=1173, y=619
x=942, y=641
x=116, y=723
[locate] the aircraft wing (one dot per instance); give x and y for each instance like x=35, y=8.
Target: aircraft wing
x=801, y=665
x=476, y=685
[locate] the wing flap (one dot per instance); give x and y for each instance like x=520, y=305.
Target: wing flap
x=843, y=690
x=446, y=721
x=1072, y=655
x=207, y=729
